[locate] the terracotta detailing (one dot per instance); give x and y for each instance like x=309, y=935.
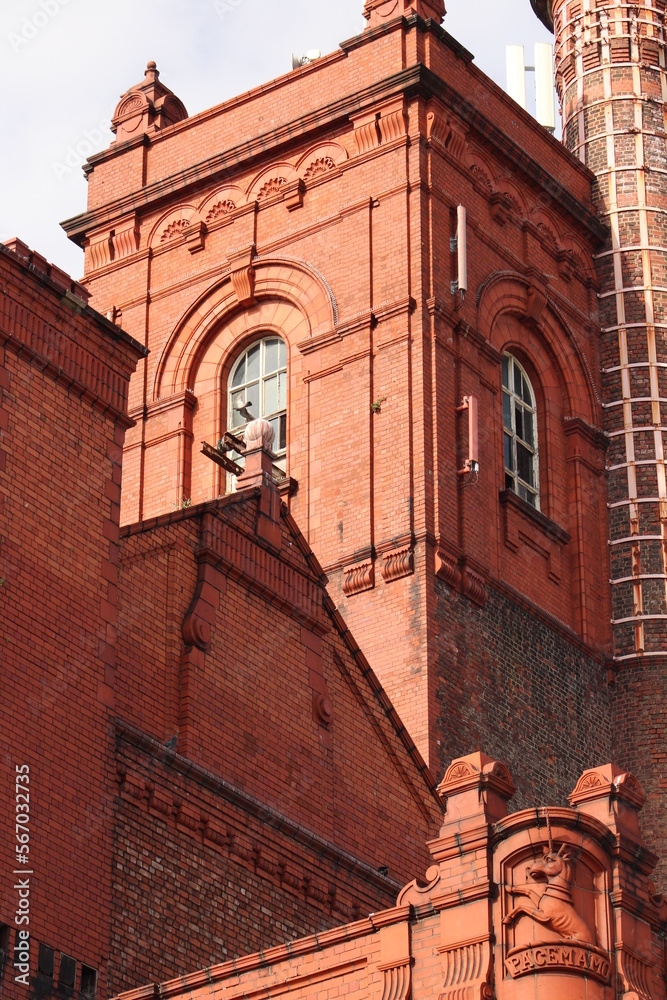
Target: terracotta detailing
x=359, y=577
x=146, y=108
x=398, y=562
x=456, y=934
x=610, y=70
x=377, y=12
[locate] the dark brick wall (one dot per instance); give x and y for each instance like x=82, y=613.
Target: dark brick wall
x=511, y=683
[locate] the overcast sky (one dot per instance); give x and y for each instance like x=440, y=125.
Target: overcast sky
x=64, y=64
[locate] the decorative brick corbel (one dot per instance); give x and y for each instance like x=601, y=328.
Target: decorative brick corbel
x=473, y=585
x=294, y=193
x=397, y=563
x=242, y=274
x=197, y=628
x=447, y=568
x=446, y=132
x=359, y=577
x=195, y=236
x=393, y=121
x=366, y=131
x=500, y=207
x=125, y=238
x=396, y=961
x=536, y=300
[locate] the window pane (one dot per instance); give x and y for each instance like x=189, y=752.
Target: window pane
x=509, y=463
x=518, y=420
x=252, y=396
x=239, y=374
x=509, y=481
x=526, y=392
x=282, y=390
x=529, y=428
x=282, y=354
x=279, y=425
x=271, y=394
x=531, y=498
x=238, y=417
x=524, y=461
x=271, y=356
x=506, y=372
x=253, y=363
x=522, y=491
x=507, y=411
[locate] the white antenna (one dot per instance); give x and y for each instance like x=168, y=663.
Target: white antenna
x=459, y=245
x=545, y=111
x=516, y=74
x=544, y=85
x=310, y=56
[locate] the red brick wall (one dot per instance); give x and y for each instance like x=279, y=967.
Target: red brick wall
x=283, y=802
x=59, y=493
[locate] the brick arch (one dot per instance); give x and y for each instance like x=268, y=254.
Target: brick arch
x=507, y=293
x=289, y=295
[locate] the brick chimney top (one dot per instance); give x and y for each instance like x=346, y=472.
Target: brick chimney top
x=378, y=12
x=148, y=107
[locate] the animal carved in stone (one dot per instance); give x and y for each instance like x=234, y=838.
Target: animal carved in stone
x=553, y=906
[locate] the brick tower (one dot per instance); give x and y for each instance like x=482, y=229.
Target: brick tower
x=610, y=76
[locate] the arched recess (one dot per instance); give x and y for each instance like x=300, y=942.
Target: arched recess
x=290, y=291
x=517, y=317
x=509, y=293
x=291, y=300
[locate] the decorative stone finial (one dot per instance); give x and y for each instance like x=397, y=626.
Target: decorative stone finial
x=379, y=12
x=259, y=434
x=147, y=107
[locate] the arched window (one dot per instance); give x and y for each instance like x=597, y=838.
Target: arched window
x=257, y=387
x=520, y=433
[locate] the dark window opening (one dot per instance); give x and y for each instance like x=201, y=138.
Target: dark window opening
x=88, y=981
x=45, y=961
x=67, y=972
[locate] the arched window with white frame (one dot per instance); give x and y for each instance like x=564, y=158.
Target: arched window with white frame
x=257, y=388
x=522, y=470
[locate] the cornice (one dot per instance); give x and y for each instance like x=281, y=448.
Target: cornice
x=414, y=81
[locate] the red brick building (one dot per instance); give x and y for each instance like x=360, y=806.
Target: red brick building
x=438, y=394
x=511, y=907
x=194, y=742
x=319, y=211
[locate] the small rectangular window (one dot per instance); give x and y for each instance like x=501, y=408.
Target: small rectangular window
x=88, y=982
x=45, y=961
x=67, y=972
